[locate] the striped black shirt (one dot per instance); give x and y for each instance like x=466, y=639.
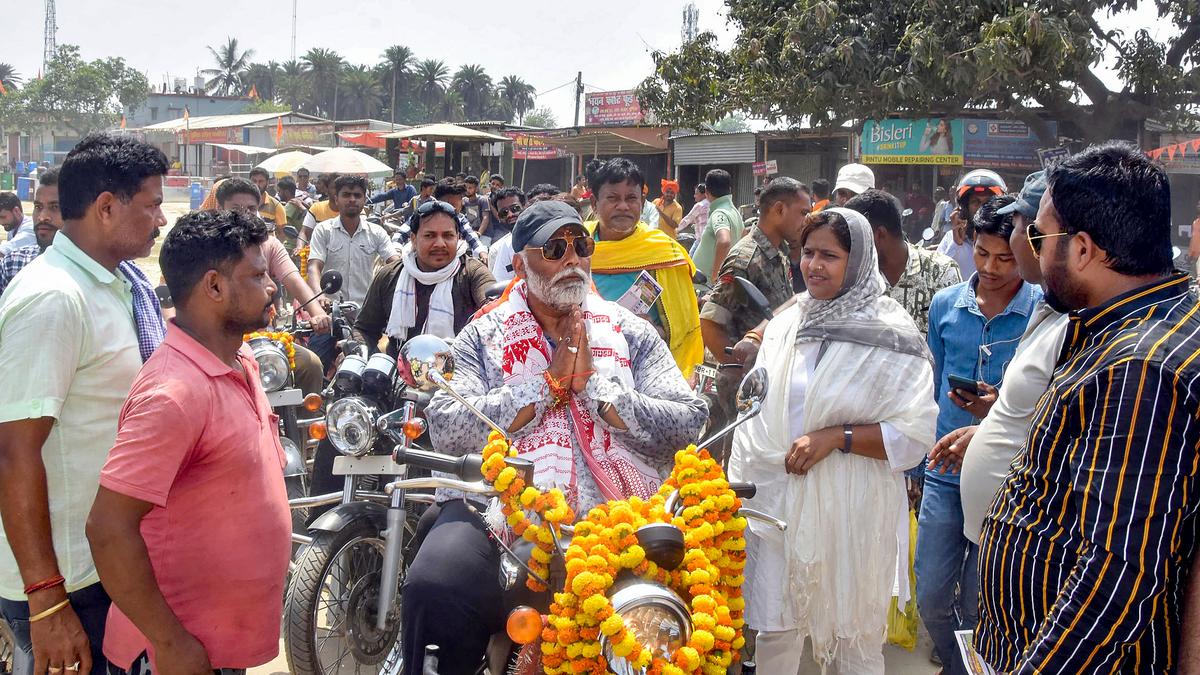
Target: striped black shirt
x=1085, y=551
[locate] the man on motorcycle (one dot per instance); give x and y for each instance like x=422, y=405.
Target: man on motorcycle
x=434, y=288
x=239, y=194
x=587, y=391
x=349, y=243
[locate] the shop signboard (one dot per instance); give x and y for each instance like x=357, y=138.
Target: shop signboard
x=768, y=168
x=612, y=108
x=1051, y=156
x=917, y=141
x=307, y=134
x=1002, y=144
x=528, y=146
x=219, y=135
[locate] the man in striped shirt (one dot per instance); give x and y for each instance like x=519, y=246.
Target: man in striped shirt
x=1085, y=553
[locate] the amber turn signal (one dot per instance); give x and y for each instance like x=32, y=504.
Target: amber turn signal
x=524, y=625
x=414, y=428
x=318, y=431
x=313, y=402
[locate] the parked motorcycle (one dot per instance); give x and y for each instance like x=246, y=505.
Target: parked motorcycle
x=8, y=646
x=342, y=610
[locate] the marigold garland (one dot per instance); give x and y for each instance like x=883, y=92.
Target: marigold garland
x=282, y=338
x=605, y=544
x=302, y=254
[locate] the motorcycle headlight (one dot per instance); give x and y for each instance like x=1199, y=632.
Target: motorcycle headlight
x=273, y=365
x=656, y=615
x=351, y=425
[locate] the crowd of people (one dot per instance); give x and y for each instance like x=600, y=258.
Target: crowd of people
x=1026, y=387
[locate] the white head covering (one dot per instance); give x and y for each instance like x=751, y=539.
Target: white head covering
x=853, y=315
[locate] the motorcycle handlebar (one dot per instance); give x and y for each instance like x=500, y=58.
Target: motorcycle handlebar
x=744, y=490
x=467, y=467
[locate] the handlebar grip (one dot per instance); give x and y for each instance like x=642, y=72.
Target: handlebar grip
x=744, y=490
x=467, y=467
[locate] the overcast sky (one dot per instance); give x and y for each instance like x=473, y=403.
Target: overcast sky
x=543, y=41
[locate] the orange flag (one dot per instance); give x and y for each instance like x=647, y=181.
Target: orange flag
x=122, y=123
x=1182, y=149
x=278, y=130
x=1196, y=145
x=3, y=91
x=253, y=91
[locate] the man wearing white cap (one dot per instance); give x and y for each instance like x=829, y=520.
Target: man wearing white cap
x=852, y=180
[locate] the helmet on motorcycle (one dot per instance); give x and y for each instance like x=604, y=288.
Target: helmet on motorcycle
x=979, y=181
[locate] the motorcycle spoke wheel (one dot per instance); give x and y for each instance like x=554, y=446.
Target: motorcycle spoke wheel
x=332, y=605
x=7, y=646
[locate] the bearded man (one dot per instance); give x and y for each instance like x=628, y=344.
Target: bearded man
x=586, y=390
x=625, y=247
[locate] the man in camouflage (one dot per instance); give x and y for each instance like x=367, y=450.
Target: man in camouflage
x=762, y=258
x=913, y=274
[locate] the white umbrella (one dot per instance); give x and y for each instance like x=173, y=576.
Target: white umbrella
x=285, y=162
x=345, y=160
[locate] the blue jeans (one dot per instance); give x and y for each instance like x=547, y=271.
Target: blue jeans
x=90, y=605
x=946, y=565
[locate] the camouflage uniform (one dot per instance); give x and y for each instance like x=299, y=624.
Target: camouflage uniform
x=766, y=266
x=927, y=273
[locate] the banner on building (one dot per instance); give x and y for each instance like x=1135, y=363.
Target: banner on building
x=529, y=146
x=768, y=168
x=220, y=135
x=920, y=141
x=308, y=134
x=612, y=108
x=1002, y=144
x=1051, y=156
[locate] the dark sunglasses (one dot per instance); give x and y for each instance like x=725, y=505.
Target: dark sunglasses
x=556, y=248
x=514, y=209
x=1035, y=237
x=429, y=207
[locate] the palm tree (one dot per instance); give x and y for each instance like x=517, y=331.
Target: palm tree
x=519, y=94
x=360, y=92
x=231, y=63
x=263, y=78
x=324, y=68
x=475, y=86
x=293, y=86
x=451, y=107
x=395, y=69
x=432, y=76
x=9, y=77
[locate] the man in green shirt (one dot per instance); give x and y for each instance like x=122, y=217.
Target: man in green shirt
x=725, y=224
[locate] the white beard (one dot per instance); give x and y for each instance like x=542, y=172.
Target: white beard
x=557, y=292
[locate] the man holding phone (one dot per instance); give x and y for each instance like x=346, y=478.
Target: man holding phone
x=974, y=330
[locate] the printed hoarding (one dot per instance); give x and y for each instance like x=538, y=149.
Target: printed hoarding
x=1002, y=144
x=612, y=108
x=529, y=146
x=919, y=141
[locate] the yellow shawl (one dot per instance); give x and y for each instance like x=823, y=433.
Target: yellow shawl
x=648, y=248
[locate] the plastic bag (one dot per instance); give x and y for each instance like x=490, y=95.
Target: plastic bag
x=903, y=622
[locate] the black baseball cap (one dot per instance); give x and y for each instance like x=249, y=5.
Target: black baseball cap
x=538, y=222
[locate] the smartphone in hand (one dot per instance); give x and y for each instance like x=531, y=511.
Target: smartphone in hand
x=965, y=384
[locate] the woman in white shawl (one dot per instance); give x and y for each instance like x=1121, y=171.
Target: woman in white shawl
x=853, y=409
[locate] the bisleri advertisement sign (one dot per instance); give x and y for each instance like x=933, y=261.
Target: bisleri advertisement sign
x=917, y=141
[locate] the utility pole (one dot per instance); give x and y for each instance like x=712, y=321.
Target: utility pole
x=578, y=94
x=294, y=29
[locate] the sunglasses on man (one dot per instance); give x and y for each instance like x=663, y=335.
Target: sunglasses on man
x=556, y=248
x=1035, y=237
x=513, y=210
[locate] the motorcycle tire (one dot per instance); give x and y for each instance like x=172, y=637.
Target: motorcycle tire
x=301, y=621
x=8, y=646
x=296, y=489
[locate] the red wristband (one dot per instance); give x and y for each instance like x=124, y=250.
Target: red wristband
x=56, y=580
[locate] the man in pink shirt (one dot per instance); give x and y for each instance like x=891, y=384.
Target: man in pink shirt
x=190, y=530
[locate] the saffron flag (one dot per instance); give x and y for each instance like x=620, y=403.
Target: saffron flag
x=122, y=123
x=278, y=130
x=3, y=91
x=253, y=91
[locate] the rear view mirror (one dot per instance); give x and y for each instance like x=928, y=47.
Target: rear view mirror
x=331, y=282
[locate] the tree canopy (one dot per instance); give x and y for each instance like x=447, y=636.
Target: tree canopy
x=831, y=61
x=80, y=95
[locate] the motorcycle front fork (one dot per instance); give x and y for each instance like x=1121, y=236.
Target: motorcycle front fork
x=393, y=539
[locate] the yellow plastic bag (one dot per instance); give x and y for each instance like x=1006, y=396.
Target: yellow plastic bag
x=902, y=623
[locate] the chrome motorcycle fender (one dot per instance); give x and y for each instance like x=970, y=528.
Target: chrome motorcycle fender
x=285, y=397
x=342, y=515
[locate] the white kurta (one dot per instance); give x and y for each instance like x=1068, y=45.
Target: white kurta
x=831, y=575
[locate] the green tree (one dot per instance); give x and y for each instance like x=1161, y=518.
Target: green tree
x=396, y=71
x=360, y=93
x=324, y=68
x=294, y=87
x=80, y=95
x=474, y=85
x=9, y=77
x=731, y=123
x=831, y=62
x=518, y=94
x=262, y=78
x=432, y=76
x=542, y=117
x=226, y=78
x=451, y=108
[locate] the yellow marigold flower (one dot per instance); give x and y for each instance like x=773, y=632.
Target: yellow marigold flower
x=702, y=640
x=612, y=625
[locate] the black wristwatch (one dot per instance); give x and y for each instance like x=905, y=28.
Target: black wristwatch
x=847, y=438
